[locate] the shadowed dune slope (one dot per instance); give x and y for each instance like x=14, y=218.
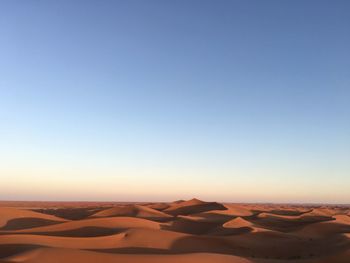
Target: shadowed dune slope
x=325, y=229
x=287, y=223
x=190, y=226
x=342, y=257
x=27, y=222
x=158, y=206
x=8, y=213
x=71, y=213
x=96, y=226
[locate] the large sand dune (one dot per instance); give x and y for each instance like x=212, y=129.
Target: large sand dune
x=8, y=214
x=182, y=231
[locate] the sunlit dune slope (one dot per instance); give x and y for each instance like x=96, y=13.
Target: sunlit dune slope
x=52, y=255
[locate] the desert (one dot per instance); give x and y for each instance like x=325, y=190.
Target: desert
x=180, y=231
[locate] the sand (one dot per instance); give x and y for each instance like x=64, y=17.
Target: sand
x=181, y=231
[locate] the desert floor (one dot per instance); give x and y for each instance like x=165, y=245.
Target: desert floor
x=181, y=231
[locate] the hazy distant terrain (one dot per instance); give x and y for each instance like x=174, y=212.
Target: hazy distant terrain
x=181, y=231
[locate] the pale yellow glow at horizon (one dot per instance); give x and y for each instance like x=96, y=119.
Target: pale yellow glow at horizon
x=160, y=184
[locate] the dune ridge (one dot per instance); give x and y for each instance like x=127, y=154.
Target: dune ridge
x=133, y=211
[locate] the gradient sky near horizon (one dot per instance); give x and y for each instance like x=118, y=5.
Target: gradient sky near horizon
x=243, y=101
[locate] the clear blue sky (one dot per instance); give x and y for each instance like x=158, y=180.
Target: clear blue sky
x=159, y=100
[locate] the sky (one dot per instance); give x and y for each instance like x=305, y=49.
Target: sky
x=236, y=101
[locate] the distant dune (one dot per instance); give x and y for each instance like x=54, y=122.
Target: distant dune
x=181, y=231
x=133, y=211
x=192, y=206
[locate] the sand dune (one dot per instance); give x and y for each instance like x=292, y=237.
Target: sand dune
x=94, y=226
x=237, y=210
x=159, y=206
x=156, y=239
x=133, y=211
x=342, y=219
x=25, y=217
x=323, y=229
x=328, y=211
x=306, y=218
x=181, y=231
x=237, y=223
x=193, y=206
x=287, y=223
x=231, y=211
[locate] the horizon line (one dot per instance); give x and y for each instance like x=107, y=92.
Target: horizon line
x=223, y=202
